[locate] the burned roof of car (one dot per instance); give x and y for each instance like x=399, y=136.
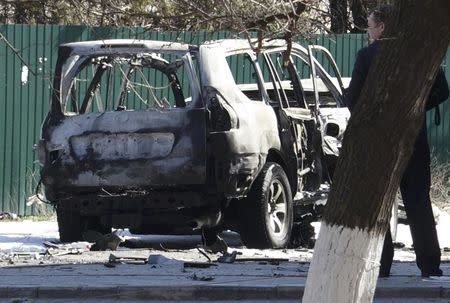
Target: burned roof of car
x=134, y=45
x=129, y=45
x=230, y=45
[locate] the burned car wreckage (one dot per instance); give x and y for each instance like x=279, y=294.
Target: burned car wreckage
x=163, y=137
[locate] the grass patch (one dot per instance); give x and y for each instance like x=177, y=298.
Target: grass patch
x=440, y=183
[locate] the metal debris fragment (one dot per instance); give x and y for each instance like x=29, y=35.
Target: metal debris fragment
x=113, y=259
x=196, y=277
x=8, y=216
x=228, y=257
x=104, y=242
x=74, y=248
x=204, y=254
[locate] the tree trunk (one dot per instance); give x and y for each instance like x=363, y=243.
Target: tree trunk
x=339, y=17
x=377, y=146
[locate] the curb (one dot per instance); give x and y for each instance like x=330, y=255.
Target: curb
x=201, y=293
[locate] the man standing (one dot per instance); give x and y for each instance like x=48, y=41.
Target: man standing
x=415, y=182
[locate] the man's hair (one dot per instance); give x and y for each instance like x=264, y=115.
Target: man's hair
x=383, y=13
x=388, y=15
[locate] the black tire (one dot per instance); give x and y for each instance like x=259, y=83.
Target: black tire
x=72, y=225
x=303, y=235
x=263, y=223
x=69, y=224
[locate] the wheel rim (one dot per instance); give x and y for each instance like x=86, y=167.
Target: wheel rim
x=277, y=208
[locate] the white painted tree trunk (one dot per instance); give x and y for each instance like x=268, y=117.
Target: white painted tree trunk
x=345, y=266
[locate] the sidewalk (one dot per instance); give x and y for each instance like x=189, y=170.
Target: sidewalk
x=172, y=280
x=75, y=278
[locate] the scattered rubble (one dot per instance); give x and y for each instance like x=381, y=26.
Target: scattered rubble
x=109, y=241
x=228, y=257
x=159, y=259
x=8, y=216
x=127, y=260
x=75, y=248
x=196, y=277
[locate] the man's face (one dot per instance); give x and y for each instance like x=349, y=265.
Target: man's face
x=374, y=29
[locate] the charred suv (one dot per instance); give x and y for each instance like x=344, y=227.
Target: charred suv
x=163, y=137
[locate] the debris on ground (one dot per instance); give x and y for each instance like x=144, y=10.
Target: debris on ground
x=196, y=277
x=263, y=261
x=49, y=249
x=21, y=254
x=218, y=246
x=26, y=254
x=204, y=254
x=60, y=249
x=70, y=251
x=8, y=216
x=157, y=259
x=115, y=259
x=82, y=245
x=228, y=257
x=102, y=242
x=232, y=258
x=127, y=259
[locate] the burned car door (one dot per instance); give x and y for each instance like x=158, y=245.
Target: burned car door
x=279, y=103
x=324, y=92
x=301, y=121
x=328, y=92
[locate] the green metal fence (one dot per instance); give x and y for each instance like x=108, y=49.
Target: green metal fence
x=23, y=104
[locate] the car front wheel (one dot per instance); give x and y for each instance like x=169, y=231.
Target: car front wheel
x=266, y=213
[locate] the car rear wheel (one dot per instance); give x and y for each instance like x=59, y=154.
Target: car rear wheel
x=72, y=225
x=69, y=224
x=267, y=215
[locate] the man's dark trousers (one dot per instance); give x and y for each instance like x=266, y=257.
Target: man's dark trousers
x=415, y=187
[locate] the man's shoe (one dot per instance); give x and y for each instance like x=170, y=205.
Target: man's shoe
x=429, y=273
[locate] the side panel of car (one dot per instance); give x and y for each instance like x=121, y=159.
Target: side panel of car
x=239, y=152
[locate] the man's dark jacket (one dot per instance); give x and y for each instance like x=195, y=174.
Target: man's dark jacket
x=439, y=92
